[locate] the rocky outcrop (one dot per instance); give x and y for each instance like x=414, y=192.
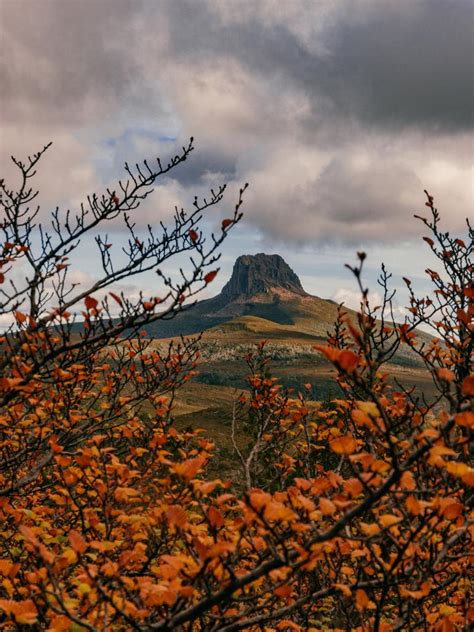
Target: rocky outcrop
x=254, y=274
x=261, y=285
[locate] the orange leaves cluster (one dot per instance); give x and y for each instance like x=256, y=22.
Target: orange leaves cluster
x=347, y=508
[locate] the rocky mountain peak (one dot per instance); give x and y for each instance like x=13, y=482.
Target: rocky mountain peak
x=253, y=274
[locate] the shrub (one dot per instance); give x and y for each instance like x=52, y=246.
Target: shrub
x=109, y=520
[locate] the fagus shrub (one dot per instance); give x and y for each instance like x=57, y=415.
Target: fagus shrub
x=109, y=520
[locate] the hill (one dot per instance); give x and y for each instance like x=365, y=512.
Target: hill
x=265, y=300
x=262, y=286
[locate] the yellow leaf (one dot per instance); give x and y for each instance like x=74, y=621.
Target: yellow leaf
x=369, y=408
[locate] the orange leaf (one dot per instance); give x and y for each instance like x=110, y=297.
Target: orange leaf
x=20, y=317
x=226, y=223
x=407, y=481
x=446, y=375
x=327, y=506
x=23, y=612
x=343, y=445
x=331, y=353
x=210, y=276
x=361, y=418
x=345, y=589
x=189, y=468
x=389, y=520
x=370, y=529
x=176, y=516
x=286, y=623
x=468, y=385
x=465, y=419
x=283, y=591
x=362, y=600
x=413, y=505
x=348, y=361
x=77, y=541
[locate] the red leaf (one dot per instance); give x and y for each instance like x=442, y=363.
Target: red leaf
x=91, y=303
x=446, y=375
x=226, y=223
x=193, y=236
x=210, y=276
x=215, y=517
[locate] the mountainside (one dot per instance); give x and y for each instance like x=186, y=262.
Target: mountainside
x=264, y=300
x=262, y=286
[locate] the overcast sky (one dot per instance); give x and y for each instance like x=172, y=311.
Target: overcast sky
x=338, y=114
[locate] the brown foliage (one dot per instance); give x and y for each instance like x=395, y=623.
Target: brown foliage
x=355, y=513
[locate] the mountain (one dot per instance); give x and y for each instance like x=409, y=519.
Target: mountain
x=262, y=286
x=265, y=300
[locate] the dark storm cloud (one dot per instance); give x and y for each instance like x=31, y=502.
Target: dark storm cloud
x=392, y=63
x=405, y=63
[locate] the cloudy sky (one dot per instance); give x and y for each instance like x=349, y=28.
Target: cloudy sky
x=337, y=112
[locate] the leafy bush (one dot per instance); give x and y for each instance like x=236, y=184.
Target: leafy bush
x=109, y=521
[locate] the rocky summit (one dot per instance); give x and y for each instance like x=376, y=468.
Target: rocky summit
x=253, y=274
x=261, y=285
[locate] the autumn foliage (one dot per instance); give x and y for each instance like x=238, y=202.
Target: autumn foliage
x=352, y=514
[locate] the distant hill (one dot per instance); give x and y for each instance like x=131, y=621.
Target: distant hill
x=263, y=299
x=262, y=286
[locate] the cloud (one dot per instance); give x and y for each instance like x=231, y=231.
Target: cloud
x=337, y=118
x=396, y=63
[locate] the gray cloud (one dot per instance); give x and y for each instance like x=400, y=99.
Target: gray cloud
x=396, y=63
x=338, y=118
